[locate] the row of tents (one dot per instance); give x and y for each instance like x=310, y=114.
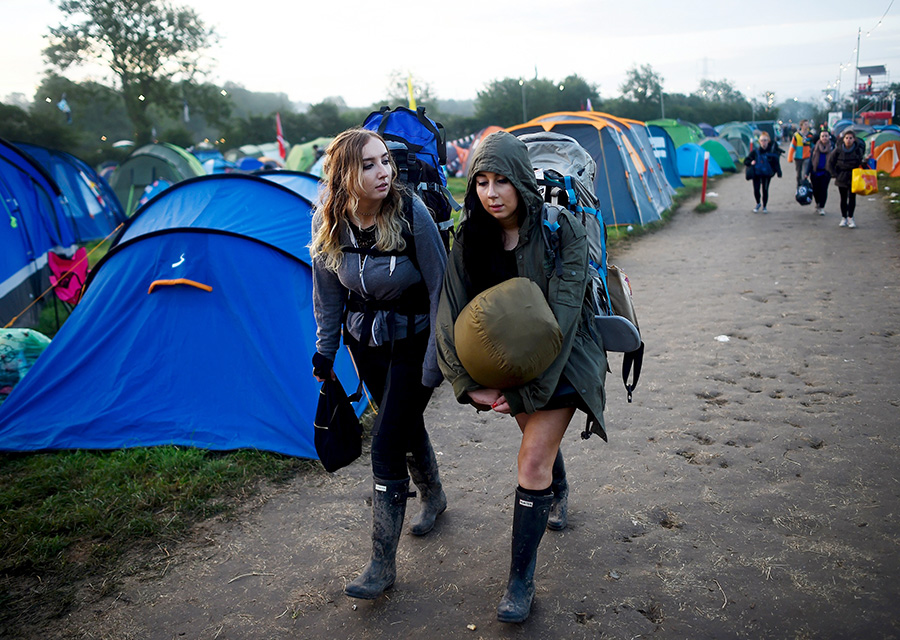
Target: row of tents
x=196, y=328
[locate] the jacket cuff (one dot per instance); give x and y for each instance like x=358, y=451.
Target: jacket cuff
x=461, y=387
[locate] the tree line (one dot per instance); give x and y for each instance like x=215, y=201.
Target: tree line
x=154, y=51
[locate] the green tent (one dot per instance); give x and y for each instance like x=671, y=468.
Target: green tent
x=880, y=137
x=680, y=131
x=302, y=156
x=719, y=153
x=739, y=134
x=148, y=164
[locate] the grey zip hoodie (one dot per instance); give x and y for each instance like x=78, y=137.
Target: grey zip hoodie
x=383, y=278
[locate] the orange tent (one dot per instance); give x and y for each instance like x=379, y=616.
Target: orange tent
x=887, y=157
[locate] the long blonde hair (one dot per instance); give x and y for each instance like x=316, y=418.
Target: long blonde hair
x=342, y=171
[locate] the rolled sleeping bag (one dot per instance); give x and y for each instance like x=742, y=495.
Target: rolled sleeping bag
x=507, y=335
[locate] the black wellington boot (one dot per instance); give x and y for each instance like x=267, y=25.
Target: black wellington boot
x=559, y=510
x=423, y=470
x=388, y=509
x=529, y=522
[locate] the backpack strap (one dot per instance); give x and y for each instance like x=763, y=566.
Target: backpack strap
x=632, y=358
x=550, y=233
x=414, y=300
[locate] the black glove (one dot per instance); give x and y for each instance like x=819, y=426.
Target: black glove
x=322, y=366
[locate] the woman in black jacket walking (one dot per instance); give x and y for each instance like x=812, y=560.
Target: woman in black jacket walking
x=818, y=172
x=765, y=163
x=846, y=157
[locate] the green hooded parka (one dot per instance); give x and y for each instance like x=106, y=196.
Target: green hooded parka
x=582, y=359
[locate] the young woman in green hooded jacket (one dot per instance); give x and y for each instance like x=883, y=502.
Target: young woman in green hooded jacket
x=499, y=238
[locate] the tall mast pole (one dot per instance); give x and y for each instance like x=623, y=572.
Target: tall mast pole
x=856, y=73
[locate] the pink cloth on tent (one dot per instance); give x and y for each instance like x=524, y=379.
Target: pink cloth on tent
x=69, y=275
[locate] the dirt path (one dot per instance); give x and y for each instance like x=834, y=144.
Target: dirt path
x=751, y=490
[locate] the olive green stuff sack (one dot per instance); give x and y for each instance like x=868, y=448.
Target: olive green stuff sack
x=507, y=335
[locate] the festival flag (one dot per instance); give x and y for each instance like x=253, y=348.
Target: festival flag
x=63, y=105
x=590, y=107
x=409, y=89
x=279, y=135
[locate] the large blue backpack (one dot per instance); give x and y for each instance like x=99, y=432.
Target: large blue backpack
x=419, y=148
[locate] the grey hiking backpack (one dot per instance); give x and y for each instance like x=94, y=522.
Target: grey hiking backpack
x=565, y=173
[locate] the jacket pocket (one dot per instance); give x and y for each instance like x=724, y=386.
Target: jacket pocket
x=569, y=289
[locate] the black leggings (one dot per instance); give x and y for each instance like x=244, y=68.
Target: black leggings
x=393, y=375
x=848, y=202
x=820, y=188
x=763, y=184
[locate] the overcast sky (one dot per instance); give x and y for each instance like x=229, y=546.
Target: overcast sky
x=313, y=49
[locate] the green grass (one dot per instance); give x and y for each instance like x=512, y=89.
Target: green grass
x=70, y=516
x=706, y=207
x=887, y=186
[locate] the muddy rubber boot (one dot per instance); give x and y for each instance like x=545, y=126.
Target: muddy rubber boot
x=423, y=470
x=559, y=509
x=529, y=522
x=388, y=508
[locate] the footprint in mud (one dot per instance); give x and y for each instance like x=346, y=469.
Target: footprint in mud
x=702, y=439
x=712, y=397
x=706, y=459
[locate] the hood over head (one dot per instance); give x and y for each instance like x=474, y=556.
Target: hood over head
x=503, y=153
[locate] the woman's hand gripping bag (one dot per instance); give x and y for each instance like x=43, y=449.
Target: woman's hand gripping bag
x=507, y=335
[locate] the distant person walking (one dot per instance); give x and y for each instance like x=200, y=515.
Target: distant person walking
x=846, y=157
x=818, y=172
x=801, y=149
x=765, y=163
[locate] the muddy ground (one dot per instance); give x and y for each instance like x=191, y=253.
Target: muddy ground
x=750, y=491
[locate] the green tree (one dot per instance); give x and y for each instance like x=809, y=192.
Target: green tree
x=146, y=44
x=398, y=90
x=514, y=100
x=97, y=111
x=642, y=84
x=721, y=91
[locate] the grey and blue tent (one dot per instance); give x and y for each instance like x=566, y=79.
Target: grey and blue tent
x=619, y=185
x=33, y=223
x=149, y=164
x=664, y=150
x=195, y=329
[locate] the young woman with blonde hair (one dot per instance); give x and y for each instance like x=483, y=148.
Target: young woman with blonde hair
x=378, y=264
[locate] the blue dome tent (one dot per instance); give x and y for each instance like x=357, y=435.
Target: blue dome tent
x=33, y=222
x=690, y=161
x=195, y=329
x=92, y=206
x=306, y=184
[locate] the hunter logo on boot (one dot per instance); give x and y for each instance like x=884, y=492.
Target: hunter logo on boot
x=526, y=503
